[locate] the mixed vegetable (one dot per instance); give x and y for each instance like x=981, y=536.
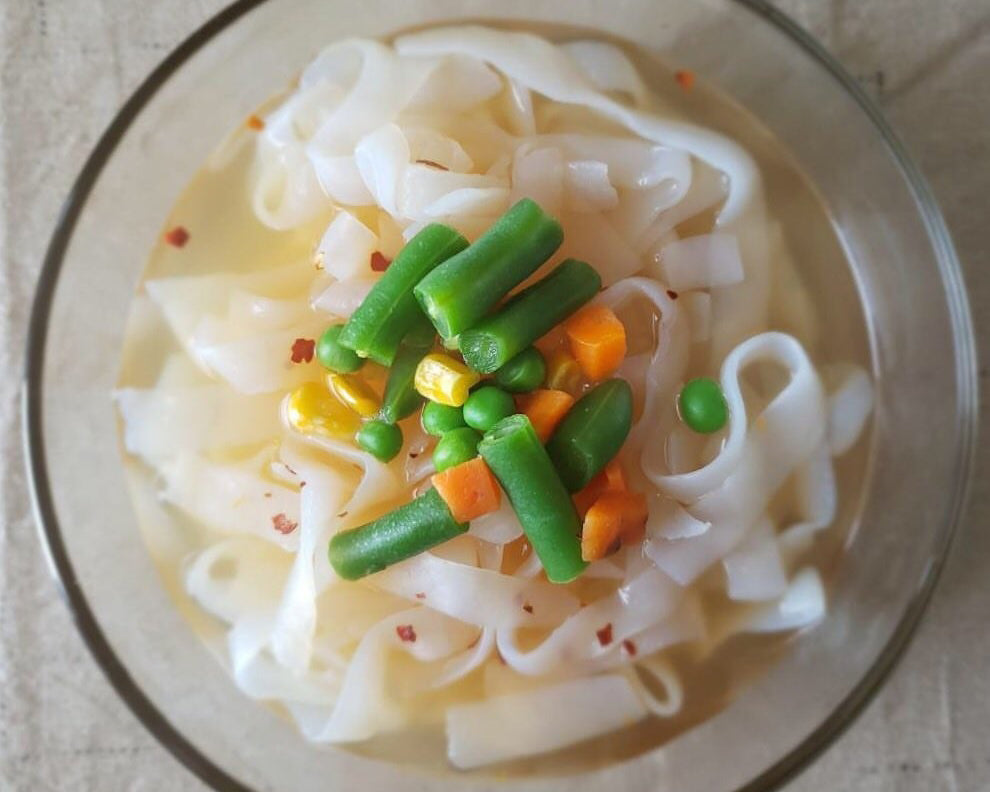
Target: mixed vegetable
x=517, y=387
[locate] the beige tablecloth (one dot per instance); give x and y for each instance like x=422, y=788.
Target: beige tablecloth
x=66, y=66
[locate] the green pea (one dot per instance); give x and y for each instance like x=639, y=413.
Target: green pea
x=523, y=373
x=702, y=406
x=456, y=446
x=333, y=355
x=439, y=419
x=380, y=439
x=487, y=406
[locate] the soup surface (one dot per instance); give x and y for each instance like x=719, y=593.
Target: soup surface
x=716, y=257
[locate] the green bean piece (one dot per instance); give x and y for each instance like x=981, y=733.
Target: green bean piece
x=401, y=399
x=390, y=310
x=702, y=406
x=381, y=440
x=518, y=460
x=458, y=293
x=523, y=373
x=409, y=530
x=438, y=419
x=333, y=355
x=591, y=433
x=494, y=341
x=487, y=406
x=454, y=447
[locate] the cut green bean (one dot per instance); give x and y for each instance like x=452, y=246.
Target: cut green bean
x=591, y=433
x=458, y=293
x=335, y=356
x=515, y=455
x=494, y=341
x=409, y=530
x=401, y=399
x=438, y=419
x=390, y=310
x=525, y=372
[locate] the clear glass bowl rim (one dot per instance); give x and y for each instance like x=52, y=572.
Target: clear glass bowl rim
x=50, y=532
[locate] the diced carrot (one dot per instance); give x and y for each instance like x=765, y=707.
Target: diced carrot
x=597, y=340
x=614, y=517
x=469, y=489
x=545, y=409
x=611, y=479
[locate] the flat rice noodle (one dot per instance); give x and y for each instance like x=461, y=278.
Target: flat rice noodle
x=518, y=104
x=320, y=501
x=669, y=520
x=754, y=571
x=342, y=298
x=540, y=720
x=458, y=84
x=486, y=202
x=285, y=190
x=781, y=438
x=592, y=238
x=816, y=497
x=161, y=422
x=701, y=262
x=345, y=249
x=608, y=68
x=426, y=193
x=236, y=578
x=587, y=187
x=382, y=157
x=249, y=310
x=640, y=603
x=231, y=498
x=850, y=403
x=698, y=306
x=802, y=605
x=476, y=596
x=662, y=674
x=498, y=527
x=432, y=146
x=636, y=215
x=552, y=72
x=340, y=178
x=365, y=707
x=538, y=173
x=633, y=164
x=259, y=363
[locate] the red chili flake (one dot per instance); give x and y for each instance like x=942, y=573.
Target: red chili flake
x=685, y=79
x=302, y=484
x=255, y=123
x=629, y=647
x=406, y=633
x=672, y=294
x=176, y=237
x=420, y=595
x=605, y=634
x=302, y=350
x=290, y=470
x=432, y=164
x=268, y=494
x=378, y=262
x=283, y=524
x=413, y=454
x=528, y=608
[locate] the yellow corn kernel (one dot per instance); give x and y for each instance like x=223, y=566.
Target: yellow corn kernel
x=312, y=409
x=355, y=393
x=563, y=372
x=444, y=380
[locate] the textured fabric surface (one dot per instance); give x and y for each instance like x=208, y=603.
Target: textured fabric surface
x=65, y=68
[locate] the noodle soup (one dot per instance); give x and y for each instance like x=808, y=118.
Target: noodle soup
x=249, y=457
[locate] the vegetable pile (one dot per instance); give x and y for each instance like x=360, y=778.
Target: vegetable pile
x=543, y=427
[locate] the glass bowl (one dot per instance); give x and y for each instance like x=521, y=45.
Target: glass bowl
x=909, y=290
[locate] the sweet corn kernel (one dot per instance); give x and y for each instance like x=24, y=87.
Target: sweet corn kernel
x=444, y=380
x=312, y=409
x=563, y=372
x=355, y=393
